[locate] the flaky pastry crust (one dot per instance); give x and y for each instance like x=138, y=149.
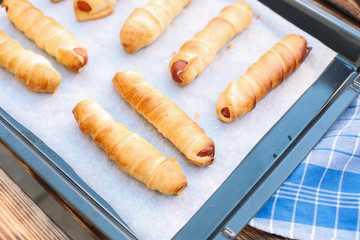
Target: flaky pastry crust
x=93, y=9
x=131, y=153
x=241, y=96
x=166, y=116
x=32, y=69
x=146, y=23
x=47, y=34
x=197, y=53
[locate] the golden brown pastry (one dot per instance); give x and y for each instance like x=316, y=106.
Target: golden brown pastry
x=196, y=54
x=93, y=9
x=131, y=153
x=47, y=34
x=56, y=0
x=166, y=116
x=33, y=70
x=146, y=23
x=241, y=96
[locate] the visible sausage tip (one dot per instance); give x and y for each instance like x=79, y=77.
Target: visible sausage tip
x=175, y=68
x=84, y=6
x=82, y=53
x=206, y=152
x=225, y=112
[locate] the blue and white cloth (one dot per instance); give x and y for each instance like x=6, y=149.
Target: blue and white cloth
x=321, y=199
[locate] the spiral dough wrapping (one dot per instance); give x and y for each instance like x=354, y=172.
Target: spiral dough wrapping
x=196, y=54
x=47, y=34
x=166, y=116
x=241, y=96
x=32, y=69
x=146, y=23
x=132, y=153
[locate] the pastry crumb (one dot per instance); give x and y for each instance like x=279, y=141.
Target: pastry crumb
x=229, y=46
x=172, y=54
x=197, y=116
x=258, y=16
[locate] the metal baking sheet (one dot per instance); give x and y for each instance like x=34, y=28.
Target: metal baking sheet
x=346, y=70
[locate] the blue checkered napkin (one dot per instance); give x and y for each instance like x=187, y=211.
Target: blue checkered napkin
x=321, y=199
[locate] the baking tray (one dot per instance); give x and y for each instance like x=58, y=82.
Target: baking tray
x=269, y=163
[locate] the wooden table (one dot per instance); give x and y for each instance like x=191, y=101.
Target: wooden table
x=21, y=218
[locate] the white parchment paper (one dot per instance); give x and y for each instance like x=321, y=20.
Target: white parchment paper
x=150, y=214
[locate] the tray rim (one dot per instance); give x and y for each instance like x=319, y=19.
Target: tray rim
x=231, y=223
x=332, y=31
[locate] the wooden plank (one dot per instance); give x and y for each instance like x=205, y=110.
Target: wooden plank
x=21, y=218
x=94, y=232
x=345, y=17
x=252, y=233
x=350, y=7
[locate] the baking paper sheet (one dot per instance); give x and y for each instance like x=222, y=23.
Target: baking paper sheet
x=150, y=214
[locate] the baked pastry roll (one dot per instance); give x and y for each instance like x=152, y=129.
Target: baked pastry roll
x=32, y=69
x=146, y=23
x=47, y=34
x=166, y=116
x=196, y=54
x=241, y=96
x=93, y=9
x=131, y=153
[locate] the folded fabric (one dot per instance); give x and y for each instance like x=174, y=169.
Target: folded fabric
x=321, y=198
